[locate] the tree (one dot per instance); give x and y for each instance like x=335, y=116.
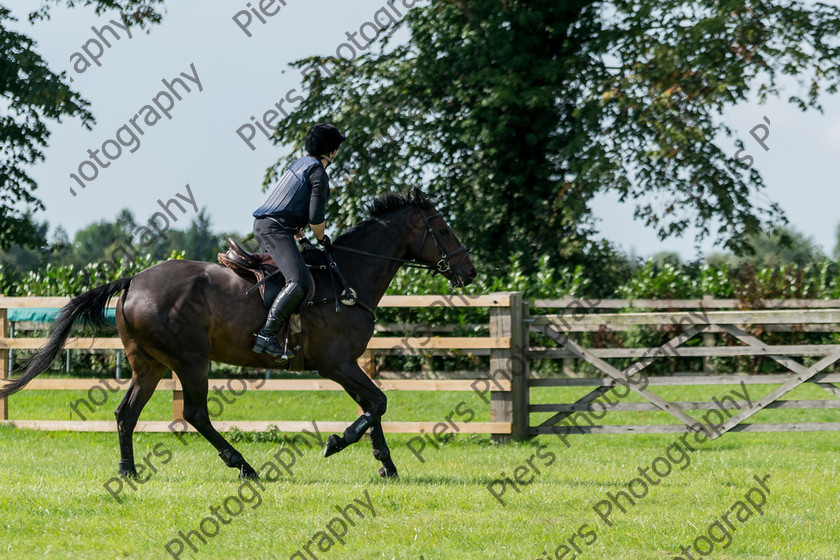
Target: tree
x=32, y=95
x=666, y=257
x=837, y=245
x=23, y=258
x=125, y=222
x=61, y=247
x=200, y=243
x=778, y=247
x=97, y=242
x=516, y=114
x=782, y=246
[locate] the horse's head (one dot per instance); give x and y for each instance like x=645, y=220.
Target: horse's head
x=437, y=245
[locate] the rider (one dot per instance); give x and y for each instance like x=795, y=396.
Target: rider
x=299, y=198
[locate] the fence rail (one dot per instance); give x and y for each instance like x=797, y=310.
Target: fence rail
x=563, y=328
x=501, y=306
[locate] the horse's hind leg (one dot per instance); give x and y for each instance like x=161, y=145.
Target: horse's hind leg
x=194, y=382
x=380, y=450
x=146, y=373
x=374, y=402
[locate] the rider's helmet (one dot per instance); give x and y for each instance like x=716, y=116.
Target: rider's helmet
x=323, y=139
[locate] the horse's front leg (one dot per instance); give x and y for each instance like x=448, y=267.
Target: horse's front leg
x=374, y=402
x=352, y=434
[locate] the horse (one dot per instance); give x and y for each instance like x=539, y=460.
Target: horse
x=179, y=315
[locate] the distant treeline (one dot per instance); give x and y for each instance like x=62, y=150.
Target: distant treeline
x=778, y=265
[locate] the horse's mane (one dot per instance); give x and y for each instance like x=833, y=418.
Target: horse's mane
x=386, y=204
x=391, y=202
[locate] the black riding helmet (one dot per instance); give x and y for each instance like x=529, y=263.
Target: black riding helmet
x=323, y=139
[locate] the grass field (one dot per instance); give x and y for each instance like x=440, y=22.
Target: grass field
x=53, y=500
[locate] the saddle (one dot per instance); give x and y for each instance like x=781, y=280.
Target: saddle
x=260, y=268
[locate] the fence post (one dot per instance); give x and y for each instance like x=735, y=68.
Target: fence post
x=367, y=362
x=511, y=364
x=4, y=358
x=177, y=398
x=708, y=341
x=521, y=342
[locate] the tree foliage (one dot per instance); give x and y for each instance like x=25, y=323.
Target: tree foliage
x=107, y=242
x=516, y=113
x=778, y=247
x=136, y=12
x=32, y=95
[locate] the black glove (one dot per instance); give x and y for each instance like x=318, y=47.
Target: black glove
x=325, y=241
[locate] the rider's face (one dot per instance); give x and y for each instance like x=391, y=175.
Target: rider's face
x=333, y=154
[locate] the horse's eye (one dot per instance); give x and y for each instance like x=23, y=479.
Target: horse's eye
x=444, y=231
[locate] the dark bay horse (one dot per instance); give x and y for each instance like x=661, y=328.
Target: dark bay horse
x=180, y=315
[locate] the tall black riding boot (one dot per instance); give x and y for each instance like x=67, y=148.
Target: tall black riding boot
x=286, y=303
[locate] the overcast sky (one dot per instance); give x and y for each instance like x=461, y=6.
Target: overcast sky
x=243, y=76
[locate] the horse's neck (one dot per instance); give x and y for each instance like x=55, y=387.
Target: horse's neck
x=371, y=276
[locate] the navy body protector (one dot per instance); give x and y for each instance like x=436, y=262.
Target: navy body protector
x=289, y=201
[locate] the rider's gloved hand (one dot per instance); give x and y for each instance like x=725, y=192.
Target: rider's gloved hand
x=325, y=241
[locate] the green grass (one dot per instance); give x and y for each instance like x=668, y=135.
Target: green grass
x=53, y=502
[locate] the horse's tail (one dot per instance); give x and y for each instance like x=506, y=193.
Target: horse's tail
x=89, y=306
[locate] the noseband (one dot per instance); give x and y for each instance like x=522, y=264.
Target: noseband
x=443, y=265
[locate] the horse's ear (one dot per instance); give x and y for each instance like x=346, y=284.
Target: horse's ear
x=417, y=195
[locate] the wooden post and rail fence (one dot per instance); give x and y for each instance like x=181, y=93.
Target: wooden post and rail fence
x=513, y=333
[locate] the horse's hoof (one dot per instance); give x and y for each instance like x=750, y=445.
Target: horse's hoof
x=388, y=473
x=248, y=473
x=334, y=445
x=127, y=469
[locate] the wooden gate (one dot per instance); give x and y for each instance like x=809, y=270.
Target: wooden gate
x=694, y=320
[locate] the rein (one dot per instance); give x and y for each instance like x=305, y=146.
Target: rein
x=442, y=266
x=405, y=262
x=348, y=296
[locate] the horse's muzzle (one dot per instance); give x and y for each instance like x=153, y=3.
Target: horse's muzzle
x=461, y=279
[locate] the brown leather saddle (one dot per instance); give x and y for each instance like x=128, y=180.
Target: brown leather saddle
x=260, y=268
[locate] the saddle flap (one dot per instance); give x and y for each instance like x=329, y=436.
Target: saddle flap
x=247, y=258
x=269, y=289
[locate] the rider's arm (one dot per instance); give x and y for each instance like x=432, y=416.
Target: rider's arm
x=318, y=202
x=318, y=230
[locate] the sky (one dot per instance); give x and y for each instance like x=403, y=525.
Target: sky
x=241, y=76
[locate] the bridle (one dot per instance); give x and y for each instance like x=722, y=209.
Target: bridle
x=348, y=295
x=443, y=266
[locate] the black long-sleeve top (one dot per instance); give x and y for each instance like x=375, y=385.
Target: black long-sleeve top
x=320, y=194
